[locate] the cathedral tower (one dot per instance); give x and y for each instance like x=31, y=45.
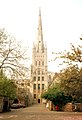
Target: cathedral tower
x=39, y=82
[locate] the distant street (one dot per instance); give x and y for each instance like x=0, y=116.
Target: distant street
x=39, y=112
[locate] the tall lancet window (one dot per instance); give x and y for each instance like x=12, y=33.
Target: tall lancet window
x=35, y=62
x=34, y=86
x=38, y=86
x=39, y=78
x=39, y=63
x=42, y=86
x=38, y=71
x=42, y=62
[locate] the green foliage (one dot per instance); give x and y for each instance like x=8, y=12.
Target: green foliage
x=7, y=87
x=56, y=96
x=70, y=79
x=69, y=88
x=71, y=82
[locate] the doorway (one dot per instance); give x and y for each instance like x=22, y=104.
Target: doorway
x=38, y=100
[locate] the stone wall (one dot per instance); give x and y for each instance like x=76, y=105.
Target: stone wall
x=69, y=107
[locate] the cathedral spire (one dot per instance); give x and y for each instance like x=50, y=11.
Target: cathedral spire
x=39, y=11
x=39, y=20
x=40, y=44
x=40, y=25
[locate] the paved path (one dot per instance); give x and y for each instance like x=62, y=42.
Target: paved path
x=39, y=112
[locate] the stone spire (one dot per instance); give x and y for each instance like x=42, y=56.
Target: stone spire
x=40, y=44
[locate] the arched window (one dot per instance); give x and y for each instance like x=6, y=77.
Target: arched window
x=39, y=62
x=42, y=78
x=38, y=71
x=42, y=72
x=38, y=78
x=34, y=86
x=38, y=86
x=42, y=62
x=42, y=86
x=34, y=78
x=34, y=95
x=36, y=63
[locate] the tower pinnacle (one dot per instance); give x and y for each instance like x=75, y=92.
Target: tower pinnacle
x=40, y=23
x=40, y=44
x=39, y=11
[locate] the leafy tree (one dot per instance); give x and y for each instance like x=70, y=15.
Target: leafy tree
x=71, y=82
x=69, y=89
x=71, y=76
x=12, y=56
x=7, y=87
x=57, y=96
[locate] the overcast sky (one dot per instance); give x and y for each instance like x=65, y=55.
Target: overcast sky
x=61, y=21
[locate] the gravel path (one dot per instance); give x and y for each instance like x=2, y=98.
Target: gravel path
x=39, y=112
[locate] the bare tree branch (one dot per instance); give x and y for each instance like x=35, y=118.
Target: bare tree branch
x=12, y=56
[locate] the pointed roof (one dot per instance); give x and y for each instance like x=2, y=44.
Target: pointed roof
x=40, y=44
x=39, y=22
x=40, y=11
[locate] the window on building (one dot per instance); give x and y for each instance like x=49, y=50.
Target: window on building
x=39, y=62
x=28, y=84
x=16, y=82
x=42, y=62
x=34, y=78
x=42, y=86
x=35, y=72
x=38, y=71
x=22, y=84
x=35, y=96
x=38, y=86
x=38, y=78
x=36, y=62
x=34, y=86
x=42, y=78
x=42, y=72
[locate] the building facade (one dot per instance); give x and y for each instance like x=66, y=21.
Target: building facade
x=39, y=79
